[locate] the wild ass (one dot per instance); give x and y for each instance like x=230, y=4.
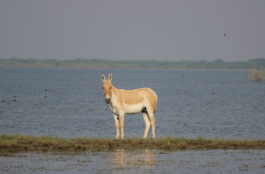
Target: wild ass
x=123, y=101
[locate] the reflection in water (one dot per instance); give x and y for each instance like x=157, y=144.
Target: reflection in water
x=123, y=159
x=140, y=161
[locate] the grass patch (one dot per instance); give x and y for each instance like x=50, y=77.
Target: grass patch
x=25, y=143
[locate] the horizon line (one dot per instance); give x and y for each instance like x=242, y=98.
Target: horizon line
x=129, y=60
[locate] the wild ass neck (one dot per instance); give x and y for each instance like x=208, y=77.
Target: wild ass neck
x=113, y=102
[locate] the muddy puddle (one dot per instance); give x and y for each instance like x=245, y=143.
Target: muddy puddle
x=141, y=161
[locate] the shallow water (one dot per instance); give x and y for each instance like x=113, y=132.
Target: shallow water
x=144, y=161
x=70, y=103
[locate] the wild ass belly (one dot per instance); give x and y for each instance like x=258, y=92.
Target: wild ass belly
x=133, y=108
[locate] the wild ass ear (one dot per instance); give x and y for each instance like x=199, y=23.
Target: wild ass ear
x=103, y=77
x=110, y=76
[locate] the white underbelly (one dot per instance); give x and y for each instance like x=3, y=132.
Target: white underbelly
x=133, y=109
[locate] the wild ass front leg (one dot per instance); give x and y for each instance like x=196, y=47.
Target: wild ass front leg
x=117, y=126
x=121, y=119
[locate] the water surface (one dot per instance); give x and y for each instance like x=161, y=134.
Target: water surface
x=70, y=103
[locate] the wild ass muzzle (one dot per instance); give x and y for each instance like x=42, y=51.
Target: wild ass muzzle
x=133, y=101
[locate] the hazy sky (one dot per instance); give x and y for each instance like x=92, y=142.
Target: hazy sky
x=133, y=29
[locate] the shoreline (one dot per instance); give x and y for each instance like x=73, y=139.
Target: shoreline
x=121, y=68
x=80, y=63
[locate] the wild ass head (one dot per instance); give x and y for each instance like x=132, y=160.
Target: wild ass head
x=107, y=86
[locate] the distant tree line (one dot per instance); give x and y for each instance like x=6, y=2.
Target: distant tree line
x=81, y=63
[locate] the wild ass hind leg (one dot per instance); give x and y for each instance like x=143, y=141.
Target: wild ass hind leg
x=116, y=120
x=152, y=120
x=147, y=124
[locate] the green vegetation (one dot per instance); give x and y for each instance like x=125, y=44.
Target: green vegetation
x=257, y=75
x=131, y=64
x=23, y=143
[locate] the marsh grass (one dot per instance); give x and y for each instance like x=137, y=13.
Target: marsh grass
x=25, y=143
